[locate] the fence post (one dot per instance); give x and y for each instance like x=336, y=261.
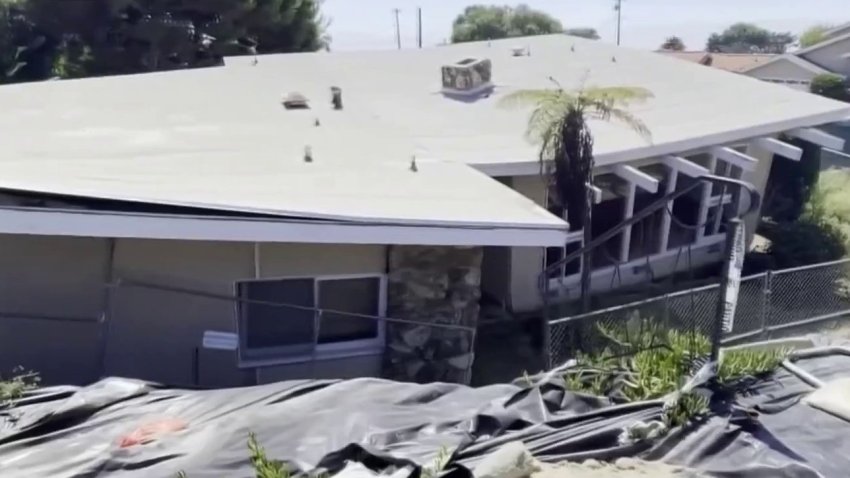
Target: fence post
x=767, y=290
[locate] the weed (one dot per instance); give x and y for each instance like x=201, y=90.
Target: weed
x=444, y=456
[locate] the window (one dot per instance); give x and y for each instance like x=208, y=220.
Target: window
x=294, y=319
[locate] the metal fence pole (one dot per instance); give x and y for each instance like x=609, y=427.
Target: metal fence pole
x=767, y=290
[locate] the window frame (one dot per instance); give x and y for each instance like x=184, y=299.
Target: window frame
x=288, y=354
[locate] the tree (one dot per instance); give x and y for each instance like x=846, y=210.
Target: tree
x=583, y=32
x=831, y=86
x=76, y=38
x=483, y=22
x=673, y=43
x=814, y=35
x=749, y=38
x=558, y=123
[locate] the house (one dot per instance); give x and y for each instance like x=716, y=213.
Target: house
x=798, y=68
x=249, y=223
x=732, y=62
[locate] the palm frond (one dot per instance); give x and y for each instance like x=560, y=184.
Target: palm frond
x=534, y=98
x=617, y=94
x=622, y=116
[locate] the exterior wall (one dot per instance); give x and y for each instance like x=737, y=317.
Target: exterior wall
x=181, y=319
x=527, y=262
x=829, y=57
x=51, y=298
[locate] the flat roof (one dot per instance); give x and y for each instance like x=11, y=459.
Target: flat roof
x=219, y=138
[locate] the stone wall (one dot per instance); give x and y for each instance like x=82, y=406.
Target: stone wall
x=437, y=285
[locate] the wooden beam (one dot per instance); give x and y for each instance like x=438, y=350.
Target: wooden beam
x=637, y=177
x=775, y=146
x=597, y=194
x=731, y=156
x=628, y=212
x=684, y=166
x=667, y=218
x=703, y=201
x=818, y=137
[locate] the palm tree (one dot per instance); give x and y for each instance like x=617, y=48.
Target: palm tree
x=558, y=123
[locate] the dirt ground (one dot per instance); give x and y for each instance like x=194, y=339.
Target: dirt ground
x=622, y=468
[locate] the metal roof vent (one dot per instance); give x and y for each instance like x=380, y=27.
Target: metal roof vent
x=296, y=101
x=519, y=51
x=470, y=76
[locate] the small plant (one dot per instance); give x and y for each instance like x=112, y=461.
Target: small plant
x=444, y=456
x=20, y=383
x=264, y=467
x=685, y=409
x=660, y=361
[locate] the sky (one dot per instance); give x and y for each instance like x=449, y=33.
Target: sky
x=370, y=24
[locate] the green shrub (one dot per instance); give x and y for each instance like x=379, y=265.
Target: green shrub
x=806, y=242
x=831, y=86
x=663, y=359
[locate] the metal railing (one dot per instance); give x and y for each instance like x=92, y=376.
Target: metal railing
x=771, y=303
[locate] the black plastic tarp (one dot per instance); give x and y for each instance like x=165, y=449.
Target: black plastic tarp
x=128, y=428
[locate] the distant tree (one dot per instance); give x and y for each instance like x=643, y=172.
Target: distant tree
x=491, y=22
x=673, y=43
x=73, y=38
x=749, y=38
x=583, y=32
x=814, y=35
x=831, y=86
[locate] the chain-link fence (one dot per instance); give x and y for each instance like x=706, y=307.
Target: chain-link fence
x=769, y=303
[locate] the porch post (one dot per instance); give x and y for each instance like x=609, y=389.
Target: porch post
x=667, y=218
x=703, y=200
x=628, y=212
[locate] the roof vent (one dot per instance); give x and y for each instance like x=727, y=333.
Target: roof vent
x=336, y=97
x=467, y=77
x=296, y=101
x=519, y=51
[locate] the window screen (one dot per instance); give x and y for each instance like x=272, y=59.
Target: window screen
x=354, y=296
x=267, y=330
x=270, y=326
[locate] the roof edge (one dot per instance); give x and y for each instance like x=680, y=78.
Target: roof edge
x=527, y=168
x=77, y=223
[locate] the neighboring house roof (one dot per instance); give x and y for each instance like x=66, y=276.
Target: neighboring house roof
x=830, y=41
x=734, y=62
x=838, y=30
x=220, y=139
x=793, y=59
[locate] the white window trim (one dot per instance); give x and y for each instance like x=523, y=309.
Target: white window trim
x=353, y=348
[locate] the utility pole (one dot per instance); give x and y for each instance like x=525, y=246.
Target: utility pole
x=619, y=8
x=419, y=26
x=397, y=28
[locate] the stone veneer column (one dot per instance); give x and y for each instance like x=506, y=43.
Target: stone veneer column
x=439, y=285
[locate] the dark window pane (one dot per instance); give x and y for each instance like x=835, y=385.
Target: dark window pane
x=267, y=326
x=574, y=266
x=356, y=296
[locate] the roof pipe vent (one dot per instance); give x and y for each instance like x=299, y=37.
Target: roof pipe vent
x=336, y=97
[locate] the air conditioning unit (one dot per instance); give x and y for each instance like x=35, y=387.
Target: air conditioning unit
x=468, y=76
